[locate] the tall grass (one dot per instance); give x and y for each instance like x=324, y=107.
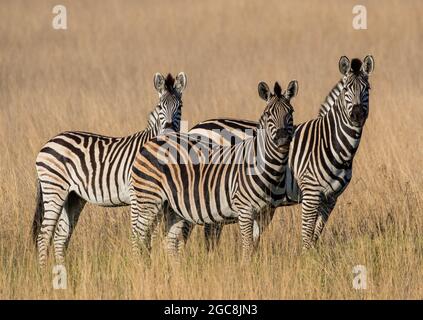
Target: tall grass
x=97, y=76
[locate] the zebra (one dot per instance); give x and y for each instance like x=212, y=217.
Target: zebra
x=78, y=167
x=205, y=183
x=321, y=153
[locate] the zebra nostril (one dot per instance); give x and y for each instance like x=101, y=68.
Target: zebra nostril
x=168, y=125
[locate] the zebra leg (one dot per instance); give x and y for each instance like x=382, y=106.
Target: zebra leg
x=54, y=198
x=310, y=211
x=61, y=233
x=156, y=231
x=212, y=233
x=67, y=222
x=246, y=221
x=177, y=233
x=324, y=212
x=186, y=232
x=261, y=222
x=144, y=218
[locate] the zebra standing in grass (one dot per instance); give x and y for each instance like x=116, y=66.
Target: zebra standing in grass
x=321, y=153
x=204, y=183
x=76, y=167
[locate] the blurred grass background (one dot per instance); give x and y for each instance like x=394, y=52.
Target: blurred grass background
x=98, y=76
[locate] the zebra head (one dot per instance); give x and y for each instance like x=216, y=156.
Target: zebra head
x=355, y=93
x=277, y=118
x=169, y=108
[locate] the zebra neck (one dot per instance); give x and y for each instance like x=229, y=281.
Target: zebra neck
x=266, y=153
x=153, y=125
x=150, y=133
x=344, y=136
x=331, y=98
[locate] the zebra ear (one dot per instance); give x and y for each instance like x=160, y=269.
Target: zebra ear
x=292, y=90
x=159, y=83
x=344, y=65
x=263, y=91
x=368, y=64
x=180, y=82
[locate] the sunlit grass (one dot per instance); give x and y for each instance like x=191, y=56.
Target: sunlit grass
x=98, y=76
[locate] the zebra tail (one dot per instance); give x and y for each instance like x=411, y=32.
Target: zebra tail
x=39, y=214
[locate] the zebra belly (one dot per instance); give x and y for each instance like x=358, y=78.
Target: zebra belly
x=105, y=198
x=199, y=209
x=225, y=215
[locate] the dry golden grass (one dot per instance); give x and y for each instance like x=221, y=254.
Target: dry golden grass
x=97, y=76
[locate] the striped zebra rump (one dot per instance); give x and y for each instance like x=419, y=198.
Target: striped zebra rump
x=95, y=167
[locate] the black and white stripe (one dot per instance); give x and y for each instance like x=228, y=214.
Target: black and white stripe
x=321, y=153
x=206, y=183
x=78, y=167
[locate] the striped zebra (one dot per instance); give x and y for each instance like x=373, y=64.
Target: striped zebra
x=78, y=167
x=206, y=183
x=321, y=153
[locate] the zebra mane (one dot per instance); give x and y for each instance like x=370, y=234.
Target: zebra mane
x=169, y=82
x=261, y=124
x=331, y=98
x=356, y=66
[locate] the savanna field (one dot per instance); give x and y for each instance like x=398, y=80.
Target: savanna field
x=98, y=76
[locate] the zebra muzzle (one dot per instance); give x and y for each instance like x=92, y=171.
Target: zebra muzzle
x=283, y=137
x=168, y=125
x=358, y=114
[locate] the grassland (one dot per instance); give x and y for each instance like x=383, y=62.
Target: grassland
x=97, y=76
